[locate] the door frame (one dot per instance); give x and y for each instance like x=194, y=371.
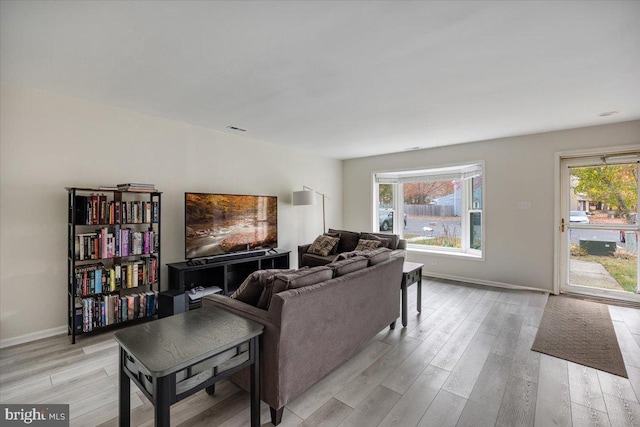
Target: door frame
x=559, y=156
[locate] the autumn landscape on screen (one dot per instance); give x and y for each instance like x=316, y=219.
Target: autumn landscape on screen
x=216, y=224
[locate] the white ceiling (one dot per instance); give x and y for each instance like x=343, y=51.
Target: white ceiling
x=340, y=79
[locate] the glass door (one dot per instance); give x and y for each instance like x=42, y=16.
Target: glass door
x=599, y=226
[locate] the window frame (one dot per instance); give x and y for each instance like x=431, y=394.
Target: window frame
x=466, y=208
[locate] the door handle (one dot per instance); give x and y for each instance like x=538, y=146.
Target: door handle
x=562, y=226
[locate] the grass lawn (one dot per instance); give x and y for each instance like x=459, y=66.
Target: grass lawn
x=623, y=270
x=447, y=242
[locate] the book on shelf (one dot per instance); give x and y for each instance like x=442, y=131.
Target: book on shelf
x=81, y=208
x=102, y=206
x=136, y=184
x=137, y=187
x=130, y=308
x=136, y=306
x=104, y=310
x=95, y=206
x=117, y=212
x=78, y=315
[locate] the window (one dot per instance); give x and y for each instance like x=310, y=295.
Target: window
x=437, y=209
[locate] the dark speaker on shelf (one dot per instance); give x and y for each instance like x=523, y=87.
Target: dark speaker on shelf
x=171, y=302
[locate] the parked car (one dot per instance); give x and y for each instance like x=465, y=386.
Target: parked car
x=579, y=217
x=386, y=220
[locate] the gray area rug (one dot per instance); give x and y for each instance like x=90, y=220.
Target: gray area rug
x=581, y=332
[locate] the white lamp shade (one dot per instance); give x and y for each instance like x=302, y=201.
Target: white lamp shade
x=304, y=198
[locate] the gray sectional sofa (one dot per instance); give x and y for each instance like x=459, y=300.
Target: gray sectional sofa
x=312, y=329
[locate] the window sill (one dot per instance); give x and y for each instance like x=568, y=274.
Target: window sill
x=446, y=253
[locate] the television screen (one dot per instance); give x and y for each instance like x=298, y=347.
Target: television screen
x=217, y=224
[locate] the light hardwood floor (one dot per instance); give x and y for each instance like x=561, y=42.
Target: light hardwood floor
x=465, y=361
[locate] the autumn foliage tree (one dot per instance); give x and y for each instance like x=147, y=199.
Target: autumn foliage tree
x=614, y=185
x=423, y=193
x=417, y=193
x=386, y=194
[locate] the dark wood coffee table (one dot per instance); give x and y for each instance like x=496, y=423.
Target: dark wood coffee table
x=411, y=273
x=174, y=357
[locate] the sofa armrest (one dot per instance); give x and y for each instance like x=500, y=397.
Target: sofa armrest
x=269, y=347
x=302, y=249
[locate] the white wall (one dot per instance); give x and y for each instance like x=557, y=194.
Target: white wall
x=519, y=244
x=48, y=141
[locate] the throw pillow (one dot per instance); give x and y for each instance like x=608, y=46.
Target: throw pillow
x=364, y=245
x=348, y=240
x=349, y=265
x=395, y=239
x=384, y=242
x=251, y=289
x=291, y=280
x=323, y=245
x=335, y=248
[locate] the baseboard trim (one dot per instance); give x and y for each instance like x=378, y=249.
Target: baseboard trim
x=483, y=282
x=33, y=336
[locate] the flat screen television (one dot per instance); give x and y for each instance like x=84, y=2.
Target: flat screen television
x=217, y=224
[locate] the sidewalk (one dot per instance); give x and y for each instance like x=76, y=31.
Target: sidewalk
x=591, y=274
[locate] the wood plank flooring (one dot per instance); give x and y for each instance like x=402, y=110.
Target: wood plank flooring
x=465, y=361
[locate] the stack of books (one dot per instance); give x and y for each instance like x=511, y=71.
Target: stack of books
x=144, y=188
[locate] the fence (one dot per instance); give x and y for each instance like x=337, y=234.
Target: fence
x=429, y=210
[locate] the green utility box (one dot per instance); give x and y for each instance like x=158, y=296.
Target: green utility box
x=598, y=247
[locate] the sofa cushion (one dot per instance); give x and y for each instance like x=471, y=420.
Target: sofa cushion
x=323, y=245
x=348, y=240
x=251, y=289
x=385, y=242
x=367, y=245
x=393, y=244
x=305, y=277
x=349, y=265
x=313, y=260
x=291, y=280
x=377, y=256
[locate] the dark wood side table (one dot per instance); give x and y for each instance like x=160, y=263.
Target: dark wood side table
x=174, y=357
x=411, y=273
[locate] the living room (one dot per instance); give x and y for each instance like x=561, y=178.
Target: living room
x=97, y=112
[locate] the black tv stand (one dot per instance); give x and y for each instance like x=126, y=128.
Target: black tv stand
x=226, y=271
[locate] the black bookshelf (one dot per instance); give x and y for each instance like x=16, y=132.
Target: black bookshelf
x=118, y=233
x=225, y=272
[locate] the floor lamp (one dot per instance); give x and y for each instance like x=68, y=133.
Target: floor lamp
x=308, y=197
